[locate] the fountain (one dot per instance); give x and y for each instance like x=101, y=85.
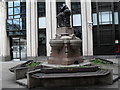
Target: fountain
x=65, y=66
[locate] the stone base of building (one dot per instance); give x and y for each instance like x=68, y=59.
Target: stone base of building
x=5, y=58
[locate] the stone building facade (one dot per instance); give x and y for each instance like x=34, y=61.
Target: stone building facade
x=26, y=27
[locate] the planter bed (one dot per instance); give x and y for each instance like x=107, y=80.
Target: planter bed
x=21, y=70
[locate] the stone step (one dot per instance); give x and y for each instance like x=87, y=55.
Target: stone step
x=22, y=82
x=115, y=78
x=100, y=72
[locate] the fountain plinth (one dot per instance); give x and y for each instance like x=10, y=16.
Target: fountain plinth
x=65, y=47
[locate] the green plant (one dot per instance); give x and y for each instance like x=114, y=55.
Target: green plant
x=98, y=61
x=33, y=64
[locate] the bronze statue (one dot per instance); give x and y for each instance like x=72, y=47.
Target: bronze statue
x=63, y=17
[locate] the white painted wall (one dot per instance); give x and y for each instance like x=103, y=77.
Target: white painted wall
x=5, y=48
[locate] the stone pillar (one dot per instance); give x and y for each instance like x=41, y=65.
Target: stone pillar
x=48, y=26
x=51, y=23
x=53, y=16
x=32, y=30
x=0, y=32
x=4, y=40
x=89, y=28
x=87, y=40
x=28, y=28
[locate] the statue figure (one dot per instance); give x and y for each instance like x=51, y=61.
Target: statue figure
x=63, y=17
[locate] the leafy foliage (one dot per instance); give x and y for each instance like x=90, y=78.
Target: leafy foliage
x=98, y=61
x=33, y=64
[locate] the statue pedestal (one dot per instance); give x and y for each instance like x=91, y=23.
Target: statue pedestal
x=65, y=47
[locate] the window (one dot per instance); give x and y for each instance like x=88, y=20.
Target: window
x=16, y=18
x=41, y=29
x=16, y=8
x=116, y=17
x=105, y=17
x=94, y=16
x=42, y=22
x=76, y=18
x=41, y=15
x=41, y=9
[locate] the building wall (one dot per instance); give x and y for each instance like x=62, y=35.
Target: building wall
x=4, y=40
x=32, y=27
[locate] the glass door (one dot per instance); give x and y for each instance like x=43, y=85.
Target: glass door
x=16, y=48
x=19, y=50
x=23, y=48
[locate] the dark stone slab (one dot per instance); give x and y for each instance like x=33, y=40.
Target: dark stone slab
x=70, y=69
x=21, y=70
x=102, y=76
x=20, y=66
x=100, y=72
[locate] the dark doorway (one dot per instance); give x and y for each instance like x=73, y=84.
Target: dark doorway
x=18, y=48
x=106, y=30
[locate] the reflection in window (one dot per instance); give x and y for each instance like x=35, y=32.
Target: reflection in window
x=105, y=17
x=10, y=17
x=76, y=20
x=42, y=22
x=20, y=24
x=10, y=11
x=10, y=4
x=9, y=25
x=16, y=3
x=17, y=10
x=17, y=16
x=94, y=16
x=116, y=17
x=16, y=22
